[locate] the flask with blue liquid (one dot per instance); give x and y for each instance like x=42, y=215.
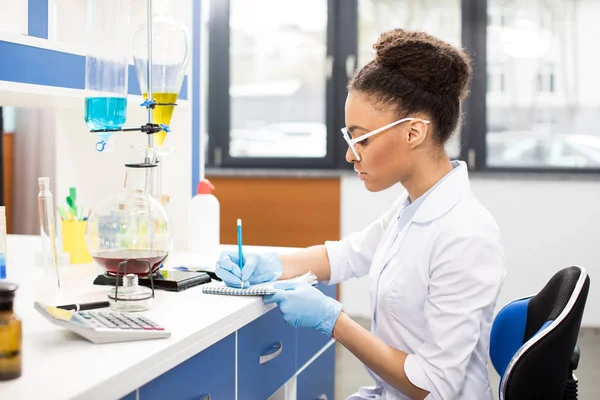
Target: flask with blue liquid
x=106, y=68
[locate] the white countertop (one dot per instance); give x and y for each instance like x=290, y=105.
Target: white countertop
x=58, y=364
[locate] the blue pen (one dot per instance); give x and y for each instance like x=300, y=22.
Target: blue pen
x=239, y=229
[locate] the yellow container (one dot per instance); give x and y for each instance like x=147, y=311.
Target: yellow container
x=73, y=239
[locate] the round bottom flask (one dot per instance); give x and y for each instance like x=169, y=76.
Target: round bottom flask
x=130, y=297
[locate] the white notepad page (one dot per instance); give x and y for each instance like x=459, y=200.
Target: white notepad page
x=260, y=289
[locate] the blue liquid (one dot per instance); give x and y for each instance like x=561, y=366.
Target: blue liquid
x=105, y=112
x=2, y=266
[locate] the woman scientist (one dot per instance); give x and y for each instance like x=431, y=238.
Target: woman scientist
x=435, y=259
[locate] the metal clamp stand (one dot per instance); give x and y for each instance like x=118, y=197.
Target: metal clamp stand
x=149, y=128
x=124, y=264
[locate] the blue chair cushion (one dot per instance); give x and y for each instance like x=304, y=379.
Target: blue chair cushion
x=508, y=332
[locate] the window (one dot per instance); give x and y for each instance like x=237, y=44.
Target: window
x=278, y=72
x=274, y=100
x=277, y=89
x=546, y=119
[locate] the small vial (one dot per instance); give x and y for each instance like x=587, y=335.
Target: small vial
x=10, y=334
x=130, y=297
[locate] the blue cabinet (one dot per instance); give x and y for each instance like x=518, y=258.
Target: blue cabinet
x=310, y=341
x=130, y=396
x=268, y=353
x=329, y=290
x=317, y=381
x=266, y=356
x=211, y=372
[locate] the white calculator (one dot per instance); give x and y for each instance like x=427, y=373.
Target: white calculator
x=104, y=325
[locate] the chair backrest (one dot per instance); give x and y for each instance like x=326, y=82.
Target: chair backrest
x=533, y=338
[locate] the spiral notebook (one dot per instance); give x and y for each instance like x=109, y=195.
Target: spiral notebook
x=261, y=289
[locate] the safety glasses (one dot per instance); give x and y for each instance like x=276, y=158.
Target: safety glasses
x=351, y=142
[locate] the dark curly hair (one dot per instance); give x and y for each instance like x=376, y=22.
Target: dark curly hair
x=416, y=72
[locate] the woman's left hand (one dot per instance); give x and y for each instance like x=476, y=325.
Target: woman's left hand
x=304, y=305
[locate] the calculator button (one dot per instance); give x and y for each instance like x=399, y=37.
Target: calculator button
x=108, y=324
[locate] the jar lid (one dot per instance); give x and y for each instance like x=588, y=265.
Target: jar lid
x=7, y=291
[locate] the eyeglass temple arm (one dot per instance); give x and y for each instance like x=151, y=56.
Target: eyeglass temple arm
x=376, y=131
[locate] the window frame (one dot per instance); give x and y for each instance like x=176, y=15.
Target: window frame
x=342, y=46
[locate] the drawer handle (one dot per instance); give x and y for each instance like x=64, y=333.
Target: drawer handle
x=275, y=351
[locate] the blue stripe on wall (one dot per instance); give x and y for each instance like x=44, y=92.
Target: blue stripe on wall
x=196, y=106
x=37, y=18
x=32, y=65
x=36, y=66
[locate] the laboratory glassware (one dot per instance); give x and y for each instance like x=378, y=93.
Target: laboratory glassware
x=130, y=297
x=170, y=55
x=131, y=233
x=10, y=334
x=106, y=67
x=48, y=289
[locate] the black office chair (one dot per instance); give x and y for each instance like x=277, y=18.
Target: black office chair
x=533, y=343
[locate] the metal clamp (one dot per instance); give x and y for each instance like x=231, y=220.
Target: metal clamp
x=277, y=348
x=100, y=146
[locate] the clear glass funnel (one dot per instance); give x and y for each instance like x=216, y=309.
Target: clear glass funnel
x=106, y=67
x=170, y=57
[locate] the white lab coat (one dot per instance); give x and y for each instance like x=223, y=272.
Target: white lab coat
x=434, y=286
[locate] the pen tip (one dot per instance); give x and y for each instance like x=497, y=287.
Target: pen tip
x=239, y=222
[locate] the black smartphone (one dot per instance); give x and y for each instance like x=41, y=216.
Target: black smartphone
x=174, y=280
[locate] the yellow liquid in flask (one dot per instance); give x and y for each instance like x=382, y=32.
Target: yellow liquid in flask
x=162, y=114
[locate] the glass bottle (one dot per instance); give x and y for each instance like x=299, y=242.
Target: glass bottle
x=10, y=334
x=130, y=297
x=106, y=67
x=48, y=288
x=170, y=58
x=3, y=244
x=131, y=233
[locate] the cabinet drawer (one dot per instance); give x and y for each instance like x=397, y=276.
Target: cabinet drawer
x=310, y=341
x=317, y=381
x=266, y=356
x=210, y=372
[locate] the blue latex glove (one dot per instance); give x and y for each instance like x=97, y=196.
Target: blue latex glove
x=256, y=269
x=304, y=305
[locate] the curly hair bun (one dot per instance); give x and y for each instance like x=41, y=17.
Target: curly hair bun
x=415, y=55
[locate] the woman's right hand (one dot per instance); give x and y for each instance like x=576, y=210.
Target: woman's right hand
x=256, y=268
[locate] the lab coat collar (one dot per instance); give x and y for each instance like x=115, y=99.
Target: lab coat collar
x=449, y=192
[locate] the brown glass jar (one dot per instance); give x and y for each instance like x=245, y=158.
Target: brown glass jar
x=10, y=334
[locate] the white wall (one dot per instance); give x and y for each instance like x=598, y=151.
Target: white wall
x=546, y=225
x=13, y=16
